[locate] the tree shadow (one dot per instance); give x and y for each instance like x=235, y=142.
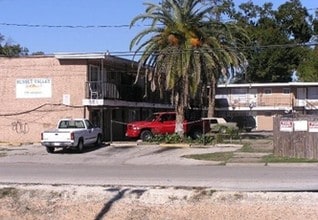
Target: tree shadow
x=118, y=196
x=138, y=192
x=110, y=203
x=164, y=149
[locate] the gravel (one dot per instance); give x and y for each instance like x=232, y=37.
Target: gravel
x=126, y=202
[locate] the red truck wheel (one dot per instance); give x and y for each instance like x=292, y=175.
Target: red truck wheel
x=146, y=135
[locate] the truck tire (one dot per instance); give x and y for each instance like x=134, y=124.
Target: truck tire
x=196, y=134
x=146, y=135
x=98, y=140
x=80, y=146
x=248, y=129
x=50, y=150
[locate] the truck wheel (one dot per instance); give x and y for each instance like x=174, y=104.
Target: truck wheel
x=50, y=149
x=98, y=140
x=146, y=135
x=248, y=129
x=80, y=146
x=223, y=130
x=196, y=134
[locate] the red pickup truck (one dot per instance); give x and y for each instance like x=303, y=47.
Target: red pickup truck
x=162, y=123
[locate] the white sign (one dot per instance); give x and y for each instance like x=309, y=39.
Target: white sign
x=313, y=126
x=66, y=99
x=34, y=88
x=286, y=125
x=300, y=125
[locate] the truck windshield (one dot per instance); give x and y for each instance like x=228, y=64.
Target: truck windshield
x=152, y=117
x=71, y=124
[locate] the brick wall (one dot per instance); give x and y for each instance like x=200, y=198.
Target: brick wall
x=23, y=119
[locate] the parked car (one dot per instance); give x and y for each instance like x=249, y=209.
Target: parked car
x=71, y=133
x=218, y=124
x=245, y=122
x=162, y=123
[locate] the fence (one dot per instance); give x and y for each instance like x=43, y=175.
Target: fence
x=296, y=136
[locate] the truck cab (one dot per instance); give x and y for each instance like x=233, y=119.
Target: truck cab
x=161, y=123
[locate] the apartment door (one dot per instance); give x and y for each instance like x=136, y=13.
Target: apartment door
x=94, y=82
x=301, y=97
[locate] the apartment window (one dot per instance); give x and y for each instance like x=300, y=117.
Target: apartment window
x=286, y=91
x=267, y=91
x=313, y=93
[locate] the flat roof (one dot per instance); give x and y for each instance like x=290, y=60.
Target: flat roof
x=63, y=55
x=250, y=85
x=91, y=56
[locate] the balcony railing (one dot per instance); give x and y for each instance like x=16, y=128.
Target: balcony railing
x=251, y=103
x=105, y=90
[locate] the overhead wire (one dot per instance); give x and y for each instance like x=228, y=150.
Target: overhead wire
x=69, y=26
x=38, y=108
x=85, y=26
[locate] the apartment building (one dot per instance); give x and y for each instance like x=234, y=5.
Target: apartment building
x=37, y=91
x=262, y=101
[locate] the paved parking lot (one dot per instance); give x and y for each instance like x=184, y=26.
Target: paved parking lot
x=115, y=153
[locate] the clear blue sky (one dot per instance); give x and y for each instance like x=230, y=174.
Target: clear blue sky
x=80, y=12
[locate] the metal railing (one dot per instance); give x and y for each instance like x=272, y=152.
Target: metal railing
x=106, y=90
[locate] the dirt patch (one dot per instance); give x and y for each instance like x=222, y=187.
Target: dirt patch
x=107, y=202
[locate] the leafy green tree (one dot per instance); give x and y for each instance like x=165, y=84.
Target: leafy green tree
x=185, y=49
x=308, y=69
x=278, y=36
x=11, y=50
x=294, y=20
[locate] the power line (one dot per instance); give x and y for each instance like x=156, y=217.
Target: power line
x=68, y=26
x=38, y=108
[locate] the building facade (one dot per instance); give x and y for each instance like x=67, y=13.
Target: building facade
x=37, y=91
x=262, y=101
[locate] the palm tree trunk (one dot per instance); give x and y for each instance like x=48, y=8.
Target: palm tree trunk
x=179, y=103
x=211, y=97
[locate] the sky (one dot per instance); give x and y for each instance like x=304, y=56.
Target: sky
x=110, y=19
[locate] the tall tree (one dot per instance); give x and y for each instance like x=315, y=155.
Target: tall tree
x=278, y=36
x=308, y=69
x=185, y=49
x=11, y=50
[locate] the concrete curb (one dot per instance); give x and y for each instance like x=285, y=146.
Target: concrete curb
x=175, y=145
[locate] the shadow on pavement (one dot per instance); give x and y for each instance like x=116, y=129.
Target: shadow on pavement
x=109, y=204
x=86, y=149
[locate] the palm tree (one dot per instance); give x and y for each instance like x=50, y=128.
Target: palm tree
x=223, y=52
x=183, y=50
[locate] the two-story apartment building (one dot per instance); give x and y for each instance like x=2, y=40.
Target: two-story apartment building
x=37, y=91
x=262, y=101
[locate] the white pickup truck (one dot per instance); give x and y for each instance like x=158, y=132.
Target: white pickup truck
x=71, y=133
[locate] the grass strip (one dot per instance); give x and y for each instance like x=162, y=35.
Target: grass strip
x=218, y=156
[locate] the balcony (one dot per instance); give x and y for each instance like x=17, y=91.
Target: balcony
x=260, y=103
x=105, y=90
x=97, y=92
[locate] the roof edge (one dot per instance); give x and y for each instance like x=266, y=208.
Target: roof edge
x=250, y=85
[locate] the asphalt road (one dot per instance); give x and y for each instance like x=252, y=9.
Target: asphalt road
x=149, y=166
